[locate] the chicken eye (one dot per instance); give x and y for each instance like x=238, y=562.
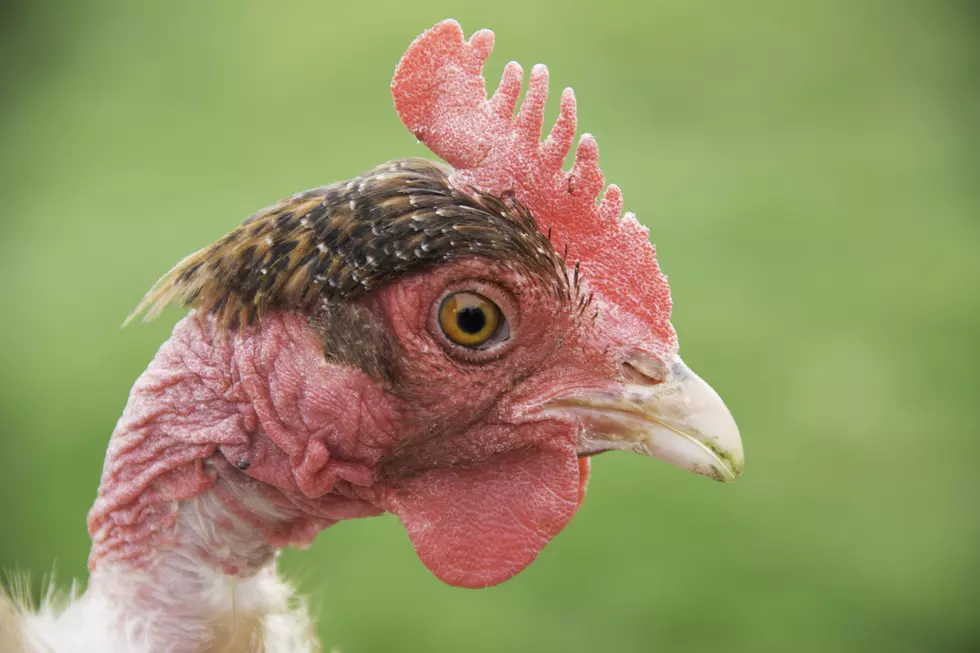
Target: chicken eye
x=469, y=319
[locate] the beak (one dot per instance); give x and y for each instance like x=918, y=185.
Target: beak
x=679, y=419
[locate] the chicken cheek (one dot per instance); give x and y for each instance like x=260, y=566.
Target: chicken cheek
x=478, y=525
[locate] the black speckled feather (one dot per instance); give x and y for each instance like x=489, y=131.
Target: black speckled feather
x=334, y=243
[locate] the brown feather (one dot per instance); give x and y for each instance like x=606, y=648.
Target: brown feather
x=334, y=243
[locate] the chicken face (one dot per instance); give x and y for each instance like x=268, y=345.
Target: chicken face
x=480, y=484
x=492, y=458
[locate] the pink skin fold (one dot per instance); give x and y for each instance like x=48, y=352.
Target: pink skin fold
x=210, y=405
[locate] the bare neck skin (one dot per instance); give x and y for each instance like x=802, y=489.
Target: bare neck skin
x=218, y=461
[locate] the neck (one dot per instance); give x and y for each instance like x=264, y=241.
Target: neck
x=212, y=587
x=206, y=478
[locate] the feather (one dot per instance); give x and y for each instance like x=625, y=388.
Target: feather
x=261, y=615
x=335, y=243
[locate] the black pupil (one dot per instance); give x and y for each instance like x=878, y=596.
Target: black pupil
x=471, y=319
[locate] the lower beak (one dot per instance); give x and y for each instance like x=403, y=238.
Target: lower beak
x=680, y=420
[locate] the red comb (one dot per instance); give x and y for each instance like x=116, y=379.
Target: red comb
x=440, y=95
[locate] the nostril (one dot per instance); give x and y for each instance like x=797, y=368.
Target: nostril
x=634, y=374
x=642, y=368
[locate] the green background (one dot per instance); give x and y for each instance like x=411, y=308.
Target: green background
x=809, y=171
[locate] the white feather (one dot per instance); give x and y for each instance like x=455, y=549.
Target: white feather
x=260, y=614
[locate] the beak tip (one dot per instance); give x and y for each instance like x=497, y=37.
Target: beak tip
x=702, y=415
x=729, y=471
x=731, y=457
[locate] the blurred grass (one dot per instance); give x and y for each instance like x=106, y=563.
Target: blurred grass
x=810, y=174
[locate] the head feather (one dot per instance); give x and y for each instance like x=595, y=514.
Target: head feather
x=333, y=244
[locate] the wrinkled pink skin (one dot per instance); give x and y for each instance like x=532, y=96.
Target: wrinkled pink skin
x=291, y=444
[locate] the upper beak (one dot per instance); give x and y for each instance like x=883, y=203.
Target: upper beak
x=677, y=418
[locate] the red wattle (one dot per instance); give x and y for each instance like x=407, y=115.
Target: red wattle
x=478, y=525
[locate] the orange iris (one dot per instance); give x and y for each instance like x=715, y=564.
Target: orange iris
x=469, y=319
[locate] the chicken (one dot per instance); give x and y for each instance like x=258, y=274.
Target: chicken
x=447, y=343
